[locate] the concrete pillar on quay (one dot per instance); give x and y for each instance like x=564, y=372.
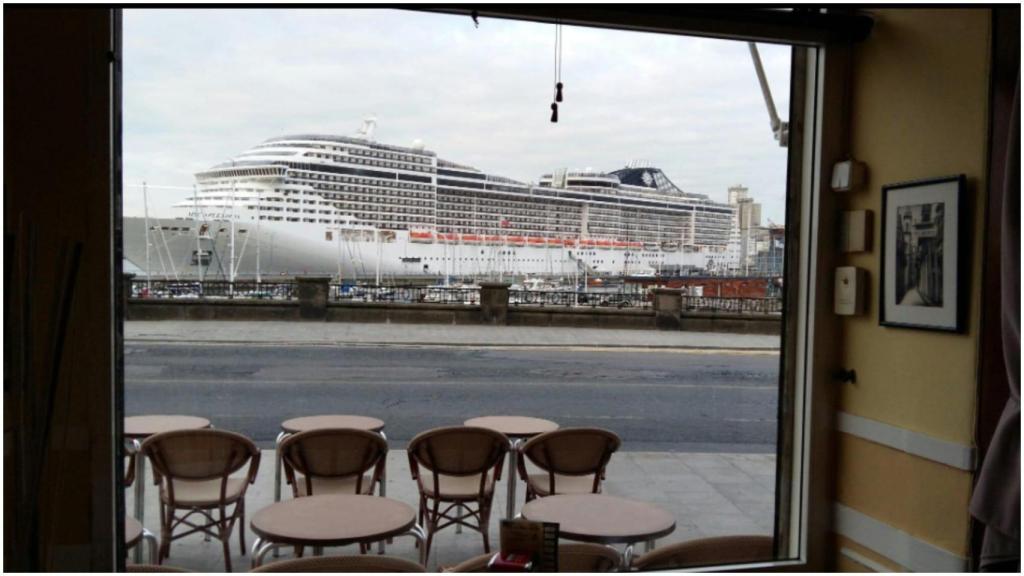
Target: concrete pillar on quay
x=494, y=303
x=668, y=308
x=313, y=292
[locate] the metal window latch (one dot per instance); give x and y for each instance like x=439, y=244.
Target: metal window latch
x=844, y=376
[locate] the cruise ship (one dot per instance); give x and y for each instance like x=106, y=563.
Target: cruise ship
x=356, y=209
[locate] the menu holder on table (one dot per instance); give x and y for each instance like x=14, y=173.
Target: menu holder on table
x=526, y=547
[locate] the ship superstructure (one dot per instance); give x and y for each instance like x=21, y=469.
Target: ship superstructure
x=352, y=207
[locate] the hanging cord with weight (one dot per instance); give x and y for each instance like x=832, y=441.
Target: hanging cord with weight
x=558, y=72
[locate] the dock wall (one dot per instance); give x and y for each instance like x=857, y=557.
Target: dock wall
x=424, y=313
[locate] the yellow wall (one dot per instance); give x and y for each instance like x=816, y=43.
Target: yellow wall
x=919, y=103
x=846, y=564
x=926, y=499
x=920, y=110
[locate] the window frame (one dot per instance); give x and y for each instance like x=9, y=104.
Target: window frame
x=820, y=41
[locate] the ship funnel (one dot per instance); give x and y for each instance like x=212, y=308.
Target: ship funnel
x=366, y=130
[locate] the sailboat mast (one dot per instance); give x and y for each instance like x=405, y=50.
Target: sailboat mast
x=259, y=194
x=199, y=244
x=376, y=235
x=447, y=264
x=378, y=256
x=480, y=239
x=145, y=208
x=231, y=268
x=338, y=232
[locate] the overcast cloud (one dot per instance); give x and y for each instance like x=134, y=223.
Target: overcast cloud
x=203, y=85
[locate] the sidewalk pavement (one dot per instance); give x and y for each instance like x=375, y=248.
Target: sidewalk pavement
x=344, y=333
x=709, y=495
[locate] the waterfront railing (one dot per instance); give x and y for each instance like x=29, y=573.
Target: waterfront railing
x=732, y=305
x=214, y=289
x=554, y=298
x=447, y=295
x=405, y=294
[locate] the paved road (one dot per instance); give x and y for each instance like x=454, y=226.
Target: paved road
x=656, y=400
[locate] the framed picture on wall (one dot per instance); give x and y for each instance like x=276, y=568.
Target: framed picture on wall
x=924, y=253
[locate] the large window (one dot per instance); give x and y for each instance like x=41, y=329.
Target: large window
x=623, y=269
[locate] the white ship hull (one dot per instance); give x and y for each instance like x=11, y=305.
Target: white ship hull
x=353, y=208
x=289, y=249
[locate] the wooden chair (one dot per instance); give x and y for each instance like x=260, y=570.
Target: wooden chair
x=343, y=564
x=456, y=467
x=194, y=470
x=333, y=461
x=135, y=532
x=708, y=552
x=577, y=557
x=572, y=461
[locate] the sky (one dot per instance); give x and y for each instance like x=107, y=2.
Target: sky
x=202, y=85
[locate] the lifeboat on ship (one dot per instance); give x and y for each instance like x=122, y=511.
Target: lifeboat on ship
x=536, y=242
x=421, y=236
x=448, y=237
x=587, y=243
x=620, y=244
x=553, y=242
x=471, y=238
x=516, y=240
x=636, y=245
x=569, y=242
x=670, y=246
x=604, y=244
x=492, y=240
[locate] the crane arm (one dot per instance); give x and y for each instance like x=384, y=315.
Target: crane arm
x=779, y=128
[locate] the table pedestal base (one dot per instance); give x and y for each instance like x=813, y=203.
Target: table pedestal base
x=627, y=557
x=513, y=471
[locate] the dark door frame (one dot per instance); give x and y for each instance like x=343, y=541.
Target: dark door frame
x=993, y=389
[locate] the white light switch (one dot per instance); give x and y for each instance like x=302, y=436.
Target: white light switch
x=849, y=291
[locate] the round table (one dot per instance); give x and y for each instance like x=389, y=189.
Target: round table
x=602, y=519
x=137, y=429
x=517, y=428
x=318, y=422
x=332, y=520
x=142, y=427
x=135, y=533
x=304, y=423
